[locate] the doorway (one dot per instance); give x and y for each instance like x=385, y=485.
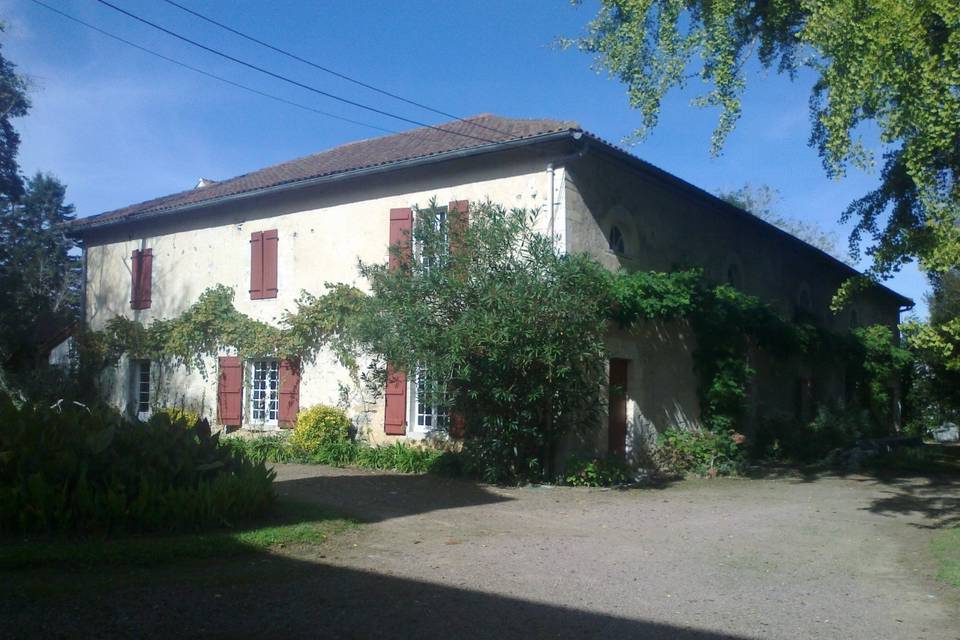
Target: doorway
x=617, y=407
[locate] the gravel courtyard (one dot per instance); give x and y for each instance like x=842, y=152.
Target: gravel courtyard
x=778, y=557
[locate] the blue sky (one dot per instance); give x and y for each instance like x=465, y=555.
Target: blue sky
x=119, y=126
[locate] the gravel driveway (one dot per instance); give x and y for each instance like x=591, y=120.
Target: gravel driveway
x=787, y=557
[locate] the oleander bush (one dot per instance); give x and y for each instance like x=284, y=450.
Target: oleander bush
x=73, y=469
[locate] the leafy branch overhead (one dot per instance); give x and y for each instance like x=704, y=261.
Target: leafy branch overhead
x=889, y=64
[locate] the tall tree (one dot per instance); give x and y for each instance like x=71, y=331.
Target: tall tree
x=14, y=103
x=39, y=269
x=892, y=64
x=762, y=202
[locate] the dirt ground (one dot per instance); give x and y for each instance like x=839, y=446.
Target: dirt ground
x=787, y=556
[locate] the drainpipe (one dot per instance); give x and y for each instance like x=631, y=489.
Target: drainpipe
x=83, y=284
x=551, y=171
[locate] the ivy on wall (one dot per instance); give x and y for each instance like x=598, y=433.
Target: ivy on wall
x=728, y=324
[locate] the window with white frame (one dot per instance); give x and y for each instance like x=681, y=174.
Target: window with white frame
x=264, y=391
x=141, y=388
x=439, y=225
x=429, y=405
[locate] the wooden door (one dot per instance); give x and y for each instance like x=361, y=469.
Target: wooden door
x=617, y=408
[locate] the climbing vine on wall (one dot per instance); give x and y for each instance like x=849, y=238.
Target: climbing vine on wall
x=728, y=324
x=212, y=325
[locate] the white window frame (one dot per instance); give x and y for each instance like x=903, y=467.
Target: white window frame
x=437, y=416
x=141, y=387
x=271, y=394
x=440, y=224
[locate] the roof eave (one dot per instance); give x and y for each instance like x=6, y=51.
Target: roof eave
x=328, y=179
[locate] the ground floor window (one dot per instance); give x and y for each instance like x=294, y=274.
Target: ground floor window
x=431, y=412
x=264, y=391
x=141, y=388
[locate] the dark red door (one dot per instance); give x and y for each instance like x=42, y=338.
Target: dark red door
x=617, y=410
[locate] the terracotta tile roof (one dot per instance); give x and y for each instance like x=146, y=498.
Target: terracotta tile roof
x=482, y=130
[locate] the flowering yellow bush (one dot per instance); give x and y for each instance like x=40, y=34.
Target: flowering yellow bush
x=319, y=426
x=190, y=418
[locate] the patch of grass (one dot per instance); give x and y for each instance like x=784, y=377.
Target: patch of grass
x=946, y=549
x=289, y=523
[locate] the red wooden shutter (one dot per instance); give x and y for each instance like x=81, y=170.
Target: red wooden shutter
x=395, y=395
x=458, y=223
x=256, y=265
x=395, y=403
x=230, y=391
x=270, y=240
x=289, y=393
x=401, y=225
x=146, y=278
x=135, y=279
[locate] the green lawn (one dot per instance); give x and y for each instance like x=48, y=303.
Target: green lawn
x=290, y=523
x=946, y=549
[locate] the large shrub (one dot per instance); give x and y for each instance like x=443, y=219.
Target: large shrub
x=72, y=469
x=509, y=326
x=701, y=452
x=319, y=426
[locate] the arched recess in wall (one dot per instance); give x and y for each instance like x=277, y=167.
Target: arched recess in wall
x=733, y=271
x=621, y=233
x=803, y=303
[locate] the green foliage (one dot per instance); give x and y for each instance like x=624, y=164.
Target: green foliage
x=831, y=429
x=926, y=459
x=212, y=325
x=892, y=63
x=701, y=452
x=73, y=469
x=179, y=415
x=596, y=472
x=318, y=426
x=399, y=456
x=13, y=89
x=509, y=327
x=39, y=274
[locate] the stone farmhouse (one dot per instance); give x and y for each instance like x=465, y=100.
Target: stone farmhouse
x=273, y=233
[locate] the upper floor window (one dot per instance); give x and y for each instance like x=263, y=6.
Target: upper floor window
x=616, y=241
x=141, y=273
x=263, y=264
x=264, y=391
x=435, y=255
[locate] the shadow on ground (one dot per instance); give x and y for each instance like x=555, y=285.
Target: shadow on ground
x=377, y=497
x=935, y=497
x=283, y=597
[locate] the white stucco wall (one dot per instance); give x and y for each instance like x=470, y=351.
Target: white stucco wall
x=323, y=232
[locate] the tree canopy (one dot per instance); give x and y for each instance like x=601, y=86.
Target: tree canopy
x=890, y=66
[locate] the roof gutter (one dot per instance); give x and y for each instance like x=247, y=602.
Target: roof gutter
x=334, y=178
